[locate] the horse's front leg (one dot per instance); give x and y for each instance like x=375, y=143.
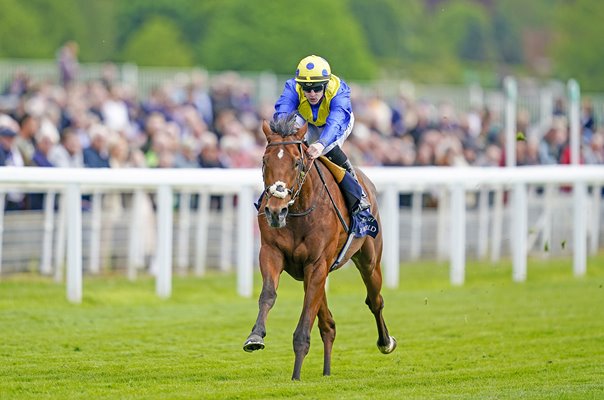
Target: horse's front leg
x=271, y=266
x=314, y=293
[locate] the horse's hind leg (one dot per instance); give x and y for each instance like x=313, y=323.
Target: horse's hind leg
x=372, y=277
x=327, y=327
x=271, y=270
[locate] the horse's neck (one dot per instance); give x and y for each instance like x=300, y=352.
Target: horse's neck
x=314, y=188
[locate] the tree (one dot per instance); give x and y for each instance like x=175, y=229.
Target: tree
x=464, y=29
x=389, y=28
x=578, y=44
x=275, y=35
x=158, y=43
x=21, y=33
x=191, y=16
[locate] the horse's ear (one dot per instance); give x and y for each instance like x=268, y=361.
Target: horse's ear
x=302, y=131
x=266, y=129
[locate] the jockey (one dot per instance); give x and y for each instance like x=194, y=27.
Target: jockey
x=322, y=100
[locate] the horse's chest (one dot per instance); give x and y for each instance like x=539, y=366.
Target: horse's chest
x=303, y=251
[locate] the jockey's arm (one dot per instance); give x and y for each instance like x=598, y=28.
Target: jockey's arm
x=337, y=121
x=288, y=101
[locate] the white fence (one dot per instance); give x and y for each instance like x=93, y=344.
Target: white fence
x=246, y=184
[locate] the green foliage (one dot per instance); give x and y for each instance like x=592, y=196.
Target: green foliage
x=61, y=21
x=389, y=29
x=191, y=16
x=491, y=338
x=99, y=37
x=435, y=41
x=463, y=31
x=158, y=43
x=274, y=35
x=37, y=28
x=21, y=33
x=579, y=40
x=506, y=38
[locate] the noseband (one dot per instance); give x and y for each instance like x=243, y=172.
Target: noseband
x=278, y=188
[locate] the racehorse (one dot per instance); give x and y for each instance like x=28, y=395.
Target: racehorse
x=301, y=219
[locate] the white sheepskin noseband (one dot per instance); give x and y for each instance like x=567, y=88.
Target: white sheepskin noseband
x=278, y=189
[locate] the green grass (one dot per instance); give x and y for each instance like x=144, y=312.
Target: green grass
x=491, y=338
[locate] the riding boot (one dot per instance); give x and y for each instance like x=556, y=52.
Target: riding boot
x=363, y=203
x=337, y=156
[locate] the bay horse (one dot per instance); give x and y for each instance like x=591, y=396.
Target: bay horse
x=301, y=233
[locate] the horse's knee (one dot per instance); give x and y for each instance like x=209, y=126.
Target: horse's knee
x=328, y=331
x=375, y=307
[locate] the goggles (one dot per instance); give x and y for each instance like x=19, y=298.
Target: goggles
x=316, y=88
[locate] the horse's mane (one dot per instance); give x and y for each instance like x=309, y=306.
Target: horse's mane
x=284, y=126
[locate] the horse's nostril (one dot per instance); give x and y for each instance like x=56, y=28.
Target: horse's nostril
x=283, y=211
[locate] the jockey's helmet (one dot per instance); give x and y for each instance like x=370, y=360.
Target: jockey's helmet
x=312, y=70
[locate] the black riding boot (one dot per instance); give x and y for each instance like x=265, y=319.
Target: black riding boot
x=363, y=204
x=337, y=156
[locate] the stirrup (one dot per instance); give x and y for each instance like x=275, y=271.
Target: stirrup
x=363, y=205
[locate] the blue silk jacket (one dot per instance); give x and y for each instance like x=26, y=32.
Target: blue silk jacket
x=332, y=113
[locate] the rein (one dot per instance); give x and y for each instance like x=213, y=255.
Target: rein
x=338, y=213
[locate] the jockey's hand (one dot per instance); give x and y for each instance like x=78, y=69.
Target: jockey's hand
x=315, y=150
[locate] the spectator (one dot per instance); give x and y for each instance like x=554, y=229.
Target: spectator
x=188, y=154
x=28, y=128
x=96, y=155
x=181, y=112
x=114, y=110
x=588, y=121
x=559, y=107
x=154, y=124
x=19, y=85
x=67, y=59
x=425, y=155
x=10, y=156
x=491, y=157
x=46, y=139
x=197, y=95
x=550, y=146
x=209, y=157
x=68, y=153
x=594, y=152
x=8, y=149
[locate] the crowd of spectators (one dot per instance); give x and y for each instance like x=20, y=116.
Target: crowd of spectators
x=105, y=123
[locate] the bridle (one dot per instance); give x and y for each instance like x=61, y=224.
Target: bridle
x=278, y=188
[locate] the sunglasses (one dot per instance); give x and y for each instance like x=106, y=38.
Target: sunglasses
x=315, y=89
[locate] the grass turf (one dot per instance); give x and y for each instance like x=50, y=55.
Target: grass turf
x=491, y=338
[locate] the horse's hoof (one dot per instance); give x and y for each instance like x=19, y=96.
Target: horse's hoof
x=389, y=348
x=253, y=343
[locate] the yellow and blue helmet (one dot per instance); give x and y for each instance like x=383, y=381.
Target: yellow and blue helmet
x=312, y=70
